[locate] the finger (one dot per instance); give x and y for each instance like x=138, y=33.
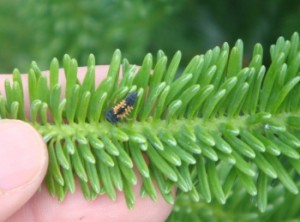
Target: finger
x=23, y=158
x=44, y=208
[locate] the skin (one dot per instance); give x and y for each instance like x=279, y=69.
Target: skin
x=24, y=197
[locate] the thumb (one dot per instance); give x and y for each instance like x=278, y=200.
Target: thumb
x=23, y=164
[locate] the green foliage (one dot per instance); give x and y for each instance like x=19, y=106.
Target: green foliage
x=41, y=29
x=219, y=132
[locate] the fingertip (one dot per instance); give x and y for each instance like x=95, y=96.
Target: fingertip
x=24, y=159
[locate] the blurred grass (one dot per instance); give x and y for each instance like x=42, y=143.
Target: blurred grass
x=40, y=30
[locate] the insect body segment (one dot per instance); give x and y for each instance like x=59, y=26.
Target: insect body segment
x=122, y=109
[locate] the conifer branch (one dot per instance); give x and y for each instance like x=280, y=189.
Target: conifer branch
x=216, y=131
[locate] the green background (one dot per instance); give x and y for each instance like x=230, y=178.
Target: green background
x=40, y=30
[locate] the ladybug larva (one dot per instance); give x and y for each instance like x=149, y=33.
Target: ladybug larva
x=121, y=109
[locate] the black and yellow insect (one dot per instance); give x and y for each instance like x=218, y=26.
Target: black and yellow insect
x=121, y=109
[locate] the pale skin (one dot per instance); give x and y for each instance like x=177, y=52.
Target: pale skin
x=24, y=197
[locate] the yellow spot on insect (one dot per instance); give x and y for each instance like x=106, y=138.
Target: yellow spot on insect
x=125, y=113
x=120, y=105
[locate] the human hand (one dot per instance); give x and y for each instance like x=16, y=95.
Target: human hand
x=23, y=165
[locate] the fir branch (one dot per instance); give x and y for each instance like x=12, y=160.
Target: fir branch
x=215, y=131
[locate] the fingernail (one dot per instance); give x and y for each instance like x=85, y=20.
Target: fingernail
x=22, y=154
